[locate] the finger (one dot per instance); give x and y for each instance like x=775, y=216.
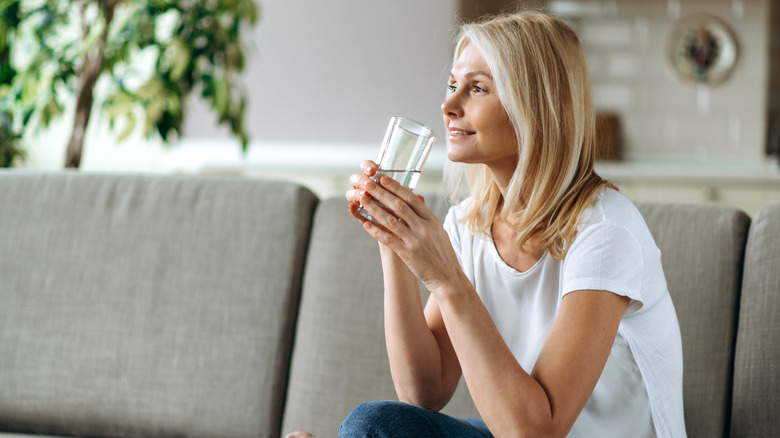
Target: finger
x=376, y=228
x=391, y=208
x=384, y=218
x=354, y=210
x=369, y=167
x=353, y=196
x=382, y=235
x=360, y=181
x=406, y=204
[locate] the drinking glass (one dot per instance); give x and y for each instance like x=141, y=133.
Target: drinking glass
x=403, y=152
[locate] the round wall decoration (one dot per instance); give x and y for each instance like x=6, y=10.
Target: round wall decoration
x=702, y=49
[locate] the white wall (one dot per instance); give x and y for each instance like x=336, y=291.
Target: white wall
x=318, y=71
x=338, y=70
x=662, y=116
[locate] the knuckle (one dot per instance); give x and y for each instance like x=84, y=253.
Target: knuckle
x=401, y=207
x=393, y=222
x=385, y=239
x=416, y=202
x=415, y=246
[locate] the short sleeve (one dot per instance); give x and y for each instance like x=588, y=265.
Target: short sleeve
x=605, y=257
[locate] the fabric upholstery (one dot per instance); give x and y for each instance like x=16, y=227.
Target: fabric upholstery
x=339, y=356
x=150, y=306
x=159, y=306
x=756, y=405
x=702, y=251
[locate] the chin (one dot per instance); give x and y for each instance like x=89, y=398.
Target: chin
x=456, y=157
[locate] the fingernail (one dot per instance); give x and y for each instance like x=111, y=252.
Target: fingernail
x=370, y=185
x=385, y=180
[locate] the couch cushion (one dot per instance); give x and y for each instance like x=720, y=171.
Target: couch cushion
x=701, y=250
x=756, y=405
x=135, y=305
x=339, y=356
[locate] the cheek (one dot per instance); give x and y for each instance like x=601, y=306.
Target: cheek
x=503, y=129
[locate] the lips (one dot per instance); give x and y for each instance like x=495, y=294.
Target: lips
x=457, y=132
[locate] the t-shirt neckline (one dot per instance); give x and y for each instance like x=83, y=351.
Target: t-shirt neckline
x=505, y=266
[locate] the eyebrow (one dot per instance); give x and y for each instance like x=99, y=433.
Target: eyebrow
x=475, y=73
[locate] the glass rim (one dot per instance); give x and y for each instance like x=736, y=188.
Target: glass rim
x=411, y=120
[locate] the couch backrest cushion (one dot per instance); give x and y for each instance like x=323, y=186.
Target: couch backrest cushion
x=702, y=250
x=756, y=405
x=136, y=305
x=339, y=356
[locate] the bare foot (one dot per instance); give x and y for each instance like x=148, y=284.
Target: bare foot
x=299, y=434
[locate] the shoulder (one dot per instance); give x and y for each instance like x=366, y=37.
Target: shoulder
x=456, y=213
x=613, y=223
x=611, y=208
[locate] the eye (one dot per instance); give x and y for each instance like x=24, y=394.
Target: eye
x=479, y=89
x=452, y=88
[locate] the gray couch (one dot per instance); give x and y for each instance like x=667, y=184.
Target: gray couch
x=163, y=306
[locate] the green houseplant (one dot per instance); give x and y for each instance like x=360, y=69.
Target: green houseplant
x=10, y=141
x=145, y=56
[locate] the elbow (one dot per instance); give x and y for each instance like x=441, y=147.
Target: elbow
x=425, y=400
x=429, y=404
x=525, y=432
x=525, y=427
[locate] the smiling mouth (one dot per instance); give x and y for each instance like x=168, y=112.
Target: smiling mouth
x=458, y=133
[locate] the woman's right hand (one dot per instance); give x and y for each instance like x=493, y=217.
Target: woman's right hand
x=360, y=186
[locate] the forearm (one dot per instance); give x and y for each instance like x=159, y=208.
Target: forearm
x=511, y=402
x=413, y=350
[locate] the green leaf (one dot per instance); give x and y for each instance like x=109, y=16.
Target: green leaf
x=119, y=104
x=151, y=88
x=50, y=111
x=202, y=48
x=181, y=58
x=128, y=129
x=154, y=112
x=173, y=103
x=221, y=96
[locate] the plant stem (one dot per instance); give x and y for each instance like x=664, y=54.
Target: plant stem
x=88, y=75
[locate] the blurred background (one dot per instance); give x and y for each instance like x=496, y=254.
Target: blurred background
x=322, y=79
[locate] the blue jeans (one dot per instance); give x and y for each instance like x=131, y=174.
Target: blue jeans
x=392, y=419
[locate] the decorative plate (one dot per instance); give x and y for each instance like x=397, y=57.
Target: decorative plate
x=702, y=49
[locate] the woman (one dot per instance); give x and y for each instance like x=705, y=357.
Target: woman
x=547, y=291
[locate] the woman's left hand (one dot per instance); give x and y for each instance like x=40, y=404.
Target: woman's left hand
x=409, y=228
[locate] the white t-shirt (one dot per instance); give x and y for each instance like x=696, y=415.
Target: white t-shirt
x=639, y=393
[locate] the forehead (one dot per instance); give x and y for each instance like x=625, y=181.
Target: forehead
x=470, y=60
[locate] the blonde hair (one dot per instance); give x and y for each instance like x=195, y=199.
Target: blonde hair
x=542, y=81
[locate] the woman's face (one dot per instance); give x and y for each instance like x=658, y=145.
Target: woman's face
x=479, y=129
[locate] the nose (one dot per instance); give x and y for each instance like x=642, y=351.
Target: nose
x=452, y=107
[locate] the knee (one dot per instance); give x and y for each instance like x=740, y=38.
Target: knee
x=374, y=419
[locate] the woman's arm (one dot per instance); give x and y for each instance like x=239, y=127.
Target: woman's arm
x=547, y=401
x=512, y=401
x=423, y=363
